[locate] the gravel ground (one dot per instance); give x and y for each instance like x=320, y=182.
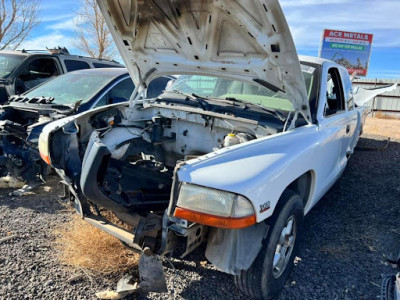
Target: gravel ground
x=347, y=236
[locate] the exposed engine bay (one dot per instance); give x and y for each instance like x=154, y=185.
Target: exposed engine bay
x=127, y=163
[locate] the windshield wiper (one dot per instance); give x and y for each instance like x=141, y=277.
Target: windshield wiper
x=32, y=100
x=199, y=99
x=72, y=107
x=41, y=100
x=275, y=112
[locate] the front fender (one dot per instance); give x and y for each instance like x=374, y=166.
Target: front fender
x=259, y=170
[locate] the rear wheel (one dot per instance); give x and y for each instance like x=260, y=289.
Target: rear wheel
x=270, y=270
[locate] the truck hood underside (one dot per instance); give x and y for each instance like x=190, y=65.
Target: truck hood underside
x=241, y=39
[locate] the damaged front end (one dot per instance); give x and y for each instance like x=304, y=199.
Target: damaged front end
x=20, y=126
x=127, y=161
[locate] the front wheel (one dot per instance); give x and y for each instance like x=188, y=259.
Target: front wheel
x=270, y=270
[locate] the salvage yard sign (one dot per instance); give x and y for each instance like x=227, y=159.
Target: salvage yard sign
x=349, y=49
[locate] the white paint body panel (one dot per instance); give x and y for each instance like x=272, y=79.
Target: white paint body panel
x=240, y=39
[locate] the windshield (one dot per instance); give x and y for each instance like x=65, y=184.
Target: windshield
x=215, y=87
x=71, y=87
x=8, y=63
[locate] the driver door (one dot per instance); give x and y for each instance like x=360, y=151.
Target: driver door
x=332, y=130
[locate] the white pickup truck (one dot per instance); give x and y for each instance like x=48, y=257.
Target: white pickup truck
x=234, y=153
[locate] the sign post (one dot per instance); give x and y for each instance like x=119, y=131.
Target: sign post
x=349, y=49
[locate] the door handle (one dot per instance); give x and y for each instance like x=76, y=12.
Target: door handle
x=347, y=128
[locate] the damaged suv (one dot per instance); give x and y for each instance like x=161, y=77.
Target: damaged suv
x=22, y=120
x=22, y=70
x=235, y=152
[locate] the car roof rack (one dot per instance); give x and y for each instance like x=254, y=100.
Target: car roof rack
x=64, y=51
x=29, y=50
x=57, y=50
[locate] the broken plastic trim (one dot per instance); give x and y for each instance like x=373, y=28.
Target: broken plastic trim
x=113, y=230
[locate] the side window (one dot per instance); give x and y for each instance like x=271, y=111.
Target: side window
x=103, y=101
x=73, y=65
x=36, y=72
x=101, y=65
x=334, y=94
x=156, y=87
x=119, y=93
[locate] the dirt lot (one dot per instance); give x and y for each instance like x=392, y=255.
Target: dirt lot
x=384, y=127
x=342, y=255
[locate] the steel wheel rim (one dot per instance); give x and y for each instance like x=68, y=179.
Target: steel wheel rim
x=285, y=247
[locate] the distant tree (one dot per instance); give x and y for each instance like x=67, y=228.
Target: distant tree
x=92, y=34
x=17, y=19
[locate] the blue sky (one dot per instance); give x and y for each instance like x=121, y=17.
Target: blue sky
x=306, y=18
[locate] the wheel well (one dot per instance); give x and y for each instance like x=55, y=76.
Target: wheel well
x=302, y=186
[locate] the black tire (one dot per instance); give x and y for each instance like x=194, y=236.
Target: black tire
x=259, y=281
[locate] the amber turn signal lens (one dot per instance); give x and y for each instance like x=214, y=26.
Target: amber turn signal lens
x=45, y=158
x=214, y=221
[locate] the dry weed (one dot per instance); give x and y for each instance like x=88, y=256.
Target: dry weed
x=382, y=115
x=85, y=247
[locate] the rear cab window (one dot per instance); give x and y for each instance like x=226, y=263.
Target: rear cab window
x=121, y=92
x=73, y=65
x=102, y=65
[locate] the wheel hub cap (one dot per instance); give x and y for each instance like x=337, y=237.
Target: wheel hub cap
x=285, y=247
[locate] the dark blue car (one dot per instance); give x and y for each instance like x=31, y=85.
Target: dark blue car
x=23, y=118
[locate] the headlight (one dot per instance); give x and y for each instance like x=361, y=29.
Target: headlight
x=44, y=147
x=213, y=207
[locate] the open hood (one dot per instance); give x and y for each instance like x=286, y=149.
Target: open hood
x=241, y=39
